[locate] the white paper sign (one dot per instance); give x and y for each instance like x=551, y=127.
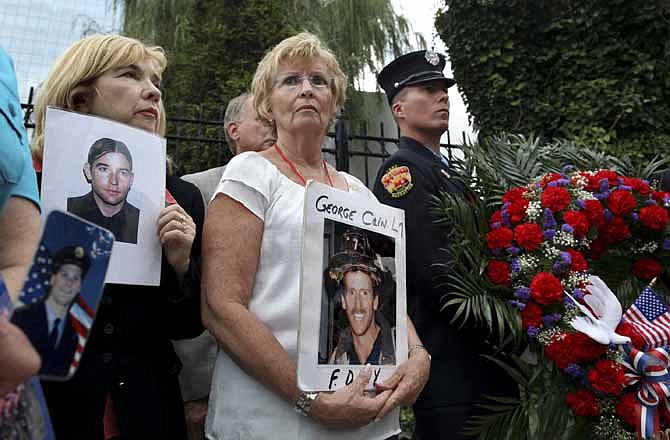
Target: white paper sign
x=112, y=175
x=352, y=294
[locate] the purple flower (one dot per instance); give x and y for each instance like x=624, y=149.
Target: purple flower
x=513, y=250
x=619, y=180
x=551, y=320
x=518, y=304
x=496, y=252
x=552, y=184
x=604, y=185
x=578, y=294
x=602, y=195
x=514, y=265
x=506, y=205
x=645, y=181
x=567, y=301
x=608, y=215
x=626, y=188
x=563, y=182
x=532, y=331
x=566, y=258
x=634, y=217
x=496, y=225
x=567, y=168
x=574, y=370
x=522, y=293
x=666, y=244
x=549, y=220
x=567, y=228
x=557, y=267
x=650, y=202
x=549, y=234
x=581, y=203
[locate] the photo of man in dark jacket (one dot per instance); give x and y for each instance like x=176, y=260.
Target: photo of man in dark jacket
x=109, y=170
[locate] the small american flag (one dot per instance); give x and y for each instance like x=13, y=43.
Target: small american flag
x=650, y=316
x=81, y=317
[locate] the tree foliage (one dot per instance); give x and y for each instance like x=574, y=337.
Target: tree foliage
x=593, y=71
x=213, y=47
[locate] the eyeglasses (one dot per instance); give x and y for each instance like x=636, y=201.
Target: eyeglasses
x=291, y=82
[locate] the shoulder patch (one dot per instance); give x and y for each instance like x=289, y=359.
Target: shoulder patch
x=397, y=180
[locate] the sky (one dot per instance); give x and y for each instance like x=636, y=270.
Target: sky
x=421, y=15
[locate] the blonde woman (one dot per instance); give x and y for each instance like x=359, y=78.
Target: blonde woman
x=127, y=382
x=252, y=267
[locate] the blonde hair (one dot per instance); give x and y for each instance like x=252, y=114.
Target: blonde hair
x=81, y=65
x=301, y=47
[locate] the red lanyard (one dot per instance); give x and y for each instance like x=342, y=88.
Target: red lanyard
x=295, y=170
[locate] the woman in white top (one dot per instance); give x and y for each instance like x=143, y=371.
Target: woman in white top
x=251, y=253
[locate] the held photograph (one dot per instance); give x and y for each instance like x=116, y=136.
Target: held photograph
x=358, y=308
x=60, y=297
x=352, y=299
x=104, y=172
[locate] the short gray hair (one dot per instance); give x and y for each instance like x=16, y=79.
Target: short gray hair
x=234, y=112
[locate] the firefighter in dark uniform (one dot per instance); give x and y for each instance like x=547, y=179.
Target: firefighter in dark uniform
x=416, y=90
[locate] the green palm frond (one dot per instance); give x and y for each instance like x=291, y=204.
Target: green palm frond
x=535, y=414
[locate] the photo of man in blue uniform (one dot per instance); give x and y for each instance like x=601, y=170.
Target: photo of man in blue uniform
x=48, y=323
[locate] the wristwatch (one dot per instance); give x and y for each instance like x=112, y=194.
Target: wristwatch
x=303, y=405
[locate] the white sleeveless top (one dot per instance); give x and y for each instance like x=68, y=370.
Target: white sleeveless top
x=239, y=406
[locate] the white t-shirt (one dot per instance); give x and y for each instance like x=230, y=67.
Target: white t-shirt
x=239, y=406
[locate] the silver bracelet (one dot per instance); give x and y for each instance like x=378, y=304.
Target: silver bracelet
x=303, y=405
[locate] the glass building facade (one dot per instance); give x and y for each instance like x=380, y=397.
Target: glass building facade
x=36, y=32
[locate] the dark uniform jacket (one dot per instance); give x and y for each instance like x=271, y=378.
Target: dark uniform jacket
x=383, y=350
x=34, y=322
x=459, y=375
x=129, y=355
x=123, y=224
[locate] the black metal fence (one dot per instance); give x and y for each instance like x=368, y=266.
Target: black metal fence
x=196, y=141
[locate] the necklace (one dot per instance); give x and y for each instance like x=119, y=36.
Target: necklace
x=295, y=170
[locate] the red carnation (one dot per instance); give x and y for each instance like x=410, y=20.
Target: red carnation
x=514, y=194
x=578, y=263
x=615, y=231
x=654, y=217
x=528, y=236
x=647, y=268
x=550, y=177
x=611, y=176
x=594, y=212
x=559, y=351
x=573, y=348
x=578, y=221
x=625, y=409
x=517, y=211
x=626, y=329
x=546, y=289
x=531, y=316
x=496, y=217
x=621, y=202
x=638, y=185
x=556, y=199
x=498, y=272
x=660, y=196
x=500, y=238
x=585, y=349
x=583, y=403
x=607, y=377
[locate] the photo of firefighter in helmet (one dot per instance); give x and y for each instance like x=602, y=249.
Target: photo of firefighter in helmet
x=361, y=284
